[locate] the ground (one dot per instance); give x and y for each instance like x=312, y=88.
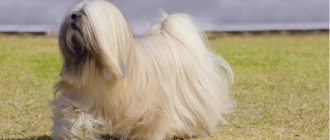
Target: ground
x=281, y=85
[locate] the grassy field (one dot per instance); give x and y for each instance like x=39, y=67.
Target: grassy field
x=281, y=85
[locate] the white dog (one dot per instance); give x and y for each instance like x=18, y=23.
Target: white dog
x=165, y=84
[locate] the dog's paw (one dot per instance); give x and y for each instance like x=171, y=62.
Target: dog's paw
x=110, y=137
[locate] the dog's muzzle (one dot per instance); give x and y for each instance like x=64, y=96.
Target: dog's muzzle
x=75, y=18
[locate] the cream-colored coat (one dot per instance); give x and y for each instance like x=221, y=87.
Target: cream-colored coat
x=167, y=83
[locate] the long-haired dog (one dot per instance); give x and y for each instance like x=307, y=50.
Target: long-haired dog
x=165, y=84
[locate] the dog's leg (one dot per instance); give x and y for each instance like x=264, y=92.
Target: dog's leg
x=71, y=122
x=154, y=129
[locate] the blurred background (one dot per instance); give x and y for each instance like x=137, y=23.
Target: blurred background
x=278, y=50
x=212, y=15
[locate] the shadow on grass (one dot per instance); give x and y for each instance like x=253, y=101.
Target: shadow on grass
x=44, y=137
x=105, y=137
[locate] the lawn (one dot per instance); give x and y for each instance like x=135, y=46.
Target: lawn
x=281, y=85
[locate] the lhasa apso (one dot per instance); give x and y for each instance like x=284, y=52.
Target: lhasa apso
x=165, y=84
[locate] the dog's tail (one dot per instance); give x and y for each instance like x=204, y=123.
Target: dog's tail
x=203, y=78
x=183, y=29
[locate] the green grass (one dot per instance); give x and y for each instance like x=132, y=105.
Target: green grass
x=281, y=85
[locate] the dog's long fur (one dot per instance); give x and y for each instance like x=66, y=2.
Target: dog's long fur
x=167, y=83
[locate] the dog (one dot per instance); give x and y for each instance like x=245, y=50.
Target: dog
x=167, y=83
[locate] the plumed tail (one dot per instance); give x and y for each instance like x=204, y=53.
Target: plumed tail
x=209, y=76
x=183, y=29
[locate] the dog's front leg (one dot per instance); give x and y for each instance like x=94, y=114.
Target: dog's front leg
x=71, y=121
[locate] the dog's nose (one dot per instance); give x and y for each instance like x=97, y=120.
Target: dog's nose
x=75, y=16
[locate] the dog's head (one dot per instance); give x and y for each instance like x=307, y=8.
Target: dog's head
x=95, y=39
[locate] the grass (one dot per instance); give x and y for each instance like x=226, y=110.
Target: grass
x=281, y=85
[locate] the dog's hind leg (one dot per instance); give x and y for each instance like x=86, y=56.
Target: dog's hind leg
x=153, y=127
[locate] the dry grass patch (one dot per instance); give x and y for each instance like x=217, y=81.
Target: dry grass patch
x=281, y=86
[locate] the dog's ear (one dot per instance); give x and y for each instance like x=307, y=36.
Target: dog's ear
x=118, y=44
x=118, y=48
x=113, y=34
